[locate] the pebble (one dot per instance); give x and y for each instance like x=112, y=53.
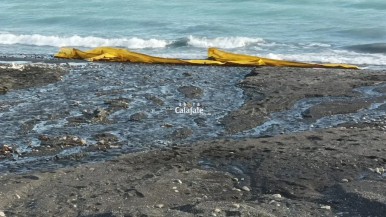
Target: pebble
x=326, y=207
x=245, y=188
x=236, y=205
x=344, y=180
x=174, y=188
x=178, y=181
x=159, y=205
x=236, y=189
x=217, y=210
x=380, y=170
x=83, y=142
x=276, y=195
x=2, y=214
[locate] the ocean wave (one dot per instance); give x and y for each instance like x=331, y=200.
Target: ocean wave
x=334, y=56
x=133, y=43
x=78, y=41
x=369, y=48
x=222, y=42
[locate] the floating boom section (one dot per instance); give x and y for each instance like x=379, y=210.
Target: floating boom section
x=215, y=57
x=240, y=59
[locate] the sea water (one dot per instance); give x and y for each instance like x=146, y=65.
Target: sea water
x=339, y=31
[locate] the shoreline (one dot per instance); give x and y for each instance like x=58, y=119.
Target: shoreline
x=337, y=171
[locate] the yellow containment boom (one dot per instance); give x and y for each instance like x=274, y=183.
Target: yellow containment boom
x=240, y=59
x=215, y=57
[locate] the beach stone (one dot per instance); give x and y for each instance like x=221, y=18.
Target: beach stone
x=83, y=142
x=276, y=195
x=118, y=103
x=2, y=214
x=245, y=188
x=380, y=170
x=191, y=92
x=217, y=210
x=236, y=205
x=159, y=205
x=138, y=116
x=344, y=180
x=3, y=90
x=326, y=207
x=201, y=122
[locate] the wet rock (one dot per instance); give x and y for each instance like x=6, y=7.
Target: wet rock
x=31, y=76
x=3, y=90
x=191, y=92
x=138, y=116
x=200, y=121
x=277, y=196
x=154, y=99
x=236, y=205
x=118, y=103
x=61, y=141
x=245, y=188
x=7, y=151
x=159, y=206
x=167, y=125
x=334, y=108
x=106, y=141
x=326, y=207
x=182, y=133
x=100, y=113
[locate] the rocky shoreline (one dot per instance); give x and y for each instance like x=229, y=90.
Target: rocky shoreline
x=337, y=171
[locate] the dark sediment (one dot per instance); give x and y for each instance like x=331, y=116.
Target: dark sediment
x=28, y=76
x=330, y=172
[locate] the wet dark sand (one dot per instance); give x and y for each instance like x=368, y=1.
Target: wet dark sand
x=326, y=172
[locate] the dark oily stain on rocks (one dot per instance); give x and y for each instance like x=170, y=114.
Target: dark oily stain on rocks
x=270, y=90
x=105, y=141
x=181, y=133
x=99, y=115
x=118, y=104
x=138, y=116
x=61, y=141
x=200, y=121
x=191, y=91
x=154, y=99
x=28, y=76
x=52, y=145
x=334, y=108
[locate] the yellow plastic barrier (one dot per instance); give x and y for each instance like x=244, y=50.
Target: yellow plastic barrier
x=216, y=57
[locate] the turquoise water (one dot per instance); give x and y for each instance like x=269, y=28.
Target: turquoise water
x=342, y=31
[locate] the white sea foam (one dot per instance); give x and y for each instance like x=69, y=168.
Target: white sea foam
x=90, y=41
x=222, y=42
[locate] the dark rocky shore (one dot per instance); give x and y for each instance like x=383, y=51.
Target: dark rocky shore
x=329, y=171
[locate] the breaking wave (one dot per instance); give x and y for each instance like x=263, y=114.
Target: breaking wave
x=78, y=41
x=133, y=43
x=334, y=56
x=222, y=42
